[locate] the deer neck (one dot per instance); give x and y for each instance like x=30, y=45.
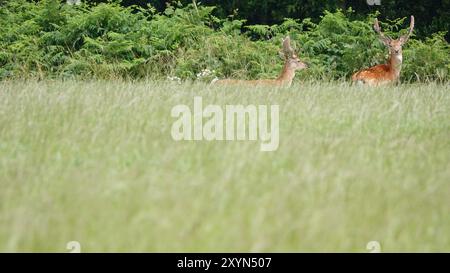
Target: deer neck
x=287, y=75
x=395, y=62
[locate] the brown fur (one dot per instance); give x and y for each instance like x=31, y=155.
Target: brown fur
x=380, y=74
x=389, y=72
x=285, y=78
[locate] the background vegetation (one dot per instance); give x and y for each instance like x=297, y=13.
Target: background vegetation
x=431, y=15
x=49, y=39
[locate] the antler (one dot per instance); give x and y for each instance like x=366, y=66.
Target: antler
x=287, y=49
x=385, y=39
x=405, y=38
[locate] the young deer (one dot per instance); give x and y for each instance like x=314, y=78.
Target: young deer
x=389, y=72
x=292, y=63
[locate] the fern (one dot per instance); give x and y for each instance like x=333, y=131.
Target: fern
x=50, y=39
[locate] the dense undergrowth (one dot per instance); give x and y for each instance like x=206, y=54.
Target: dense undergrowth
x=48, y=39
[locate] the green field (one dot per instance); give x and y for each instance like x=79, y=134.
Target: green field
x=95, y=162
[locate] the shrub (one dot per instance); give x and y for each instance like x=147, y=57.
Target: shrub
x=50, y=39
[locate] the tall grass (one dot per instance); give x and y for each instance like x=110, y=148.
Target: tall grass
x=95, y=162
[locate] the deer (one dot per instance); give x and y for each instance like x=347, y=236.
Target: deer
x=292, y=63
x=389, y=72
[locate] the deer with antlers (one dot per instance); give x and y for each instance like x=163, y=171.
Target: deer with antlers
x=389, y=72
x=292, y=63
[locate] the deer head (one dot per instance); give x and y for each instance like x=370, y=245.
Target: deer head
x=292, y=60
x=395, y=46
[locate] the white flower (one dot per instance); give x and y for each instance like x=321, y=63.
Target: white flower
x=204, y=73
x=174, y=79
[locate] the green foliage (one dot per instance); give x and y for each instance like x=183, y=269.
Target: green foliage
x=50, y=39
x=431, y=59
x=338, y=47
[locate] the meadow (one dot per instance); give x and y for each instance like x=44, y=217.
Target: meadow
x=94, y=161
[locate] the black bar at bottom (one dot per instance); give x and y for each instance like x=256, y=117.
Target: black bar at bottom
x=222, y=262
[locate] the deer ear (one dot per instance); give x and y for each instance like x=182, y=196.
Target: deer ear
x=287, y=48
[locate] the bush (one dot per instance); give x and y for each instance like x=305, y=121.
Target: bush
x=48, y=39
